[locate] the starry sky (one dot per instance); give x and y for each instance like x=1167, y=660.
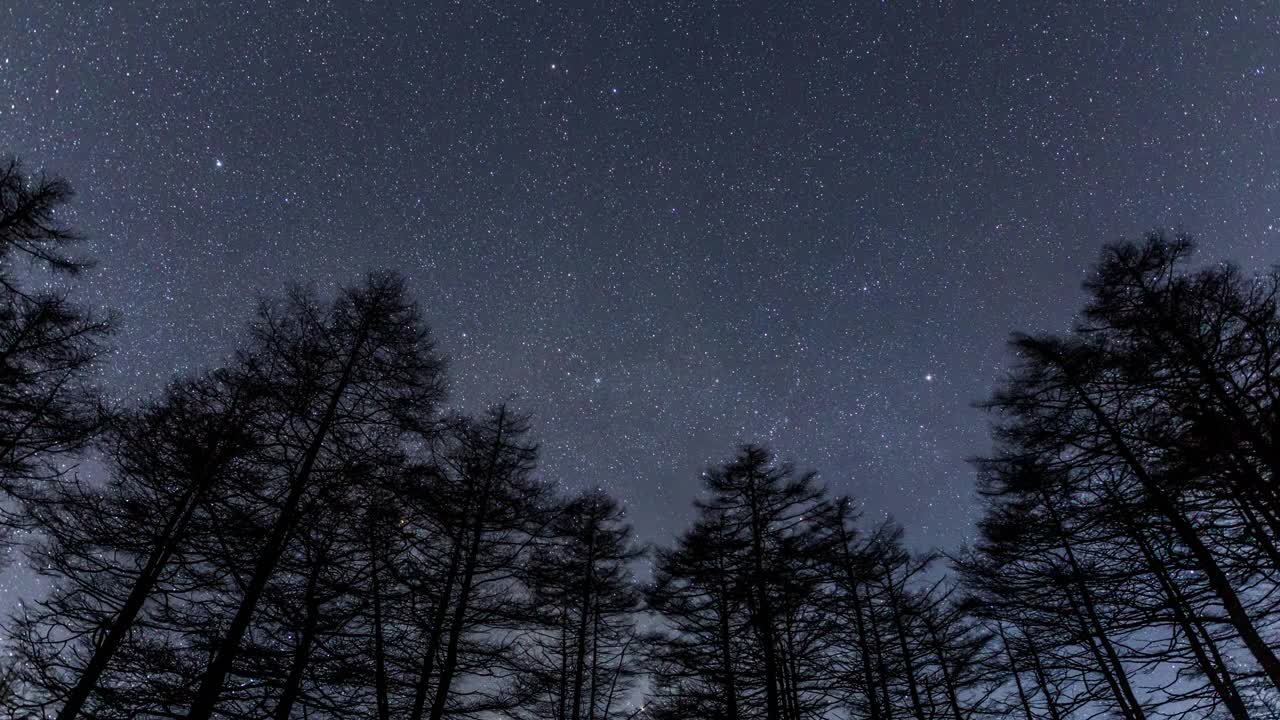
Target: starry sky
x=660, y=227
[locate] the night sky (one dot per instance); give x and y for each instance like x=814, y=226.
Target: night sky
x=661, y=228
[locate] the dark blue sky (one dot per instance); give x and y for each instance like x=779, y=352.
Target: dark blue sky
x=662, y=228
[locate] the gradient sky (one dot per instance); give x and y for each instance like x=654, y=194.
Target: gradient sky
x=660, y=227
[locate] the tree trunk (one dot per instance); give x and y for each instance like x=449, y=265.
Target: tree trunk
x=460, y=610
x=880, y=657
x=1108, y=662
x=564, y=664
x=595, y=661
x=617, y=673
x=170, y=536
x=1117, y=677
x=584, y=610
x=379, y=651
x=868, y=674
x=206, y=696
x=439, y=615
x=1023, y=700
x=764, y=612
x=450, y=664
x=901, y=631
x=1218, y=581
x=730, y=680
x=1218, y=675
x=302, y=653
x=948, y=684
x=174, y=530
x=1042, y=678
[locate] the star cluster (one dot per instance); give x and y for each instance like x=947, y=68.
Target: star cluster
x=660, y=227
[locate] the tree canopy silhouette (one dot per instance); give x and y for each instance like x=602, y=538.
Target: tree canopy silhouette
x=306, y=531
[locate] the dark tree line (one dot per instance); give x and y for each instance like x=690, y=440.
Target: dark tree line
x=306, y=531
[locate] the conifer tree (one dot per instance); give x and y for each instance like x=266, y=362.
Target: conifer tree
x=50, y=407
x=582, y=581
x=336, y=381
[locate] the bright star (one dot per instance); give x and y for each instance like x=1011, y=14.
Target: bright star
x=217, y=163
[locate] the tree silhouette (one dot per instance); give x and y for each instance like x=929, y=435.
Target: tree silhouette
x=498, y=512
x=582, y=582
x=1143, y=444
x=49, y=405
x=303, y=532
x=697, y=660
x=748, y=566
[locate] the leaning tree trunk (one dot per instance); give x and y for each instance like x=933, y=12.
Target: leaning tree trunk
x=450, y=664
x=1218, y=674
x=142, y=588
x=1023, y=700
x=1216, y=577
x=725, y=637
x=438, y=616
x=948, y=683
x=171, y=535
x=302, y=653
x=206, y=696
x=907, y=664
x=1042, y=677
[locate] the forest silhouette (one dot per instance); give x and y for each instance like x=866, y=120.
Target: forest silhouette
x=307, y=531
